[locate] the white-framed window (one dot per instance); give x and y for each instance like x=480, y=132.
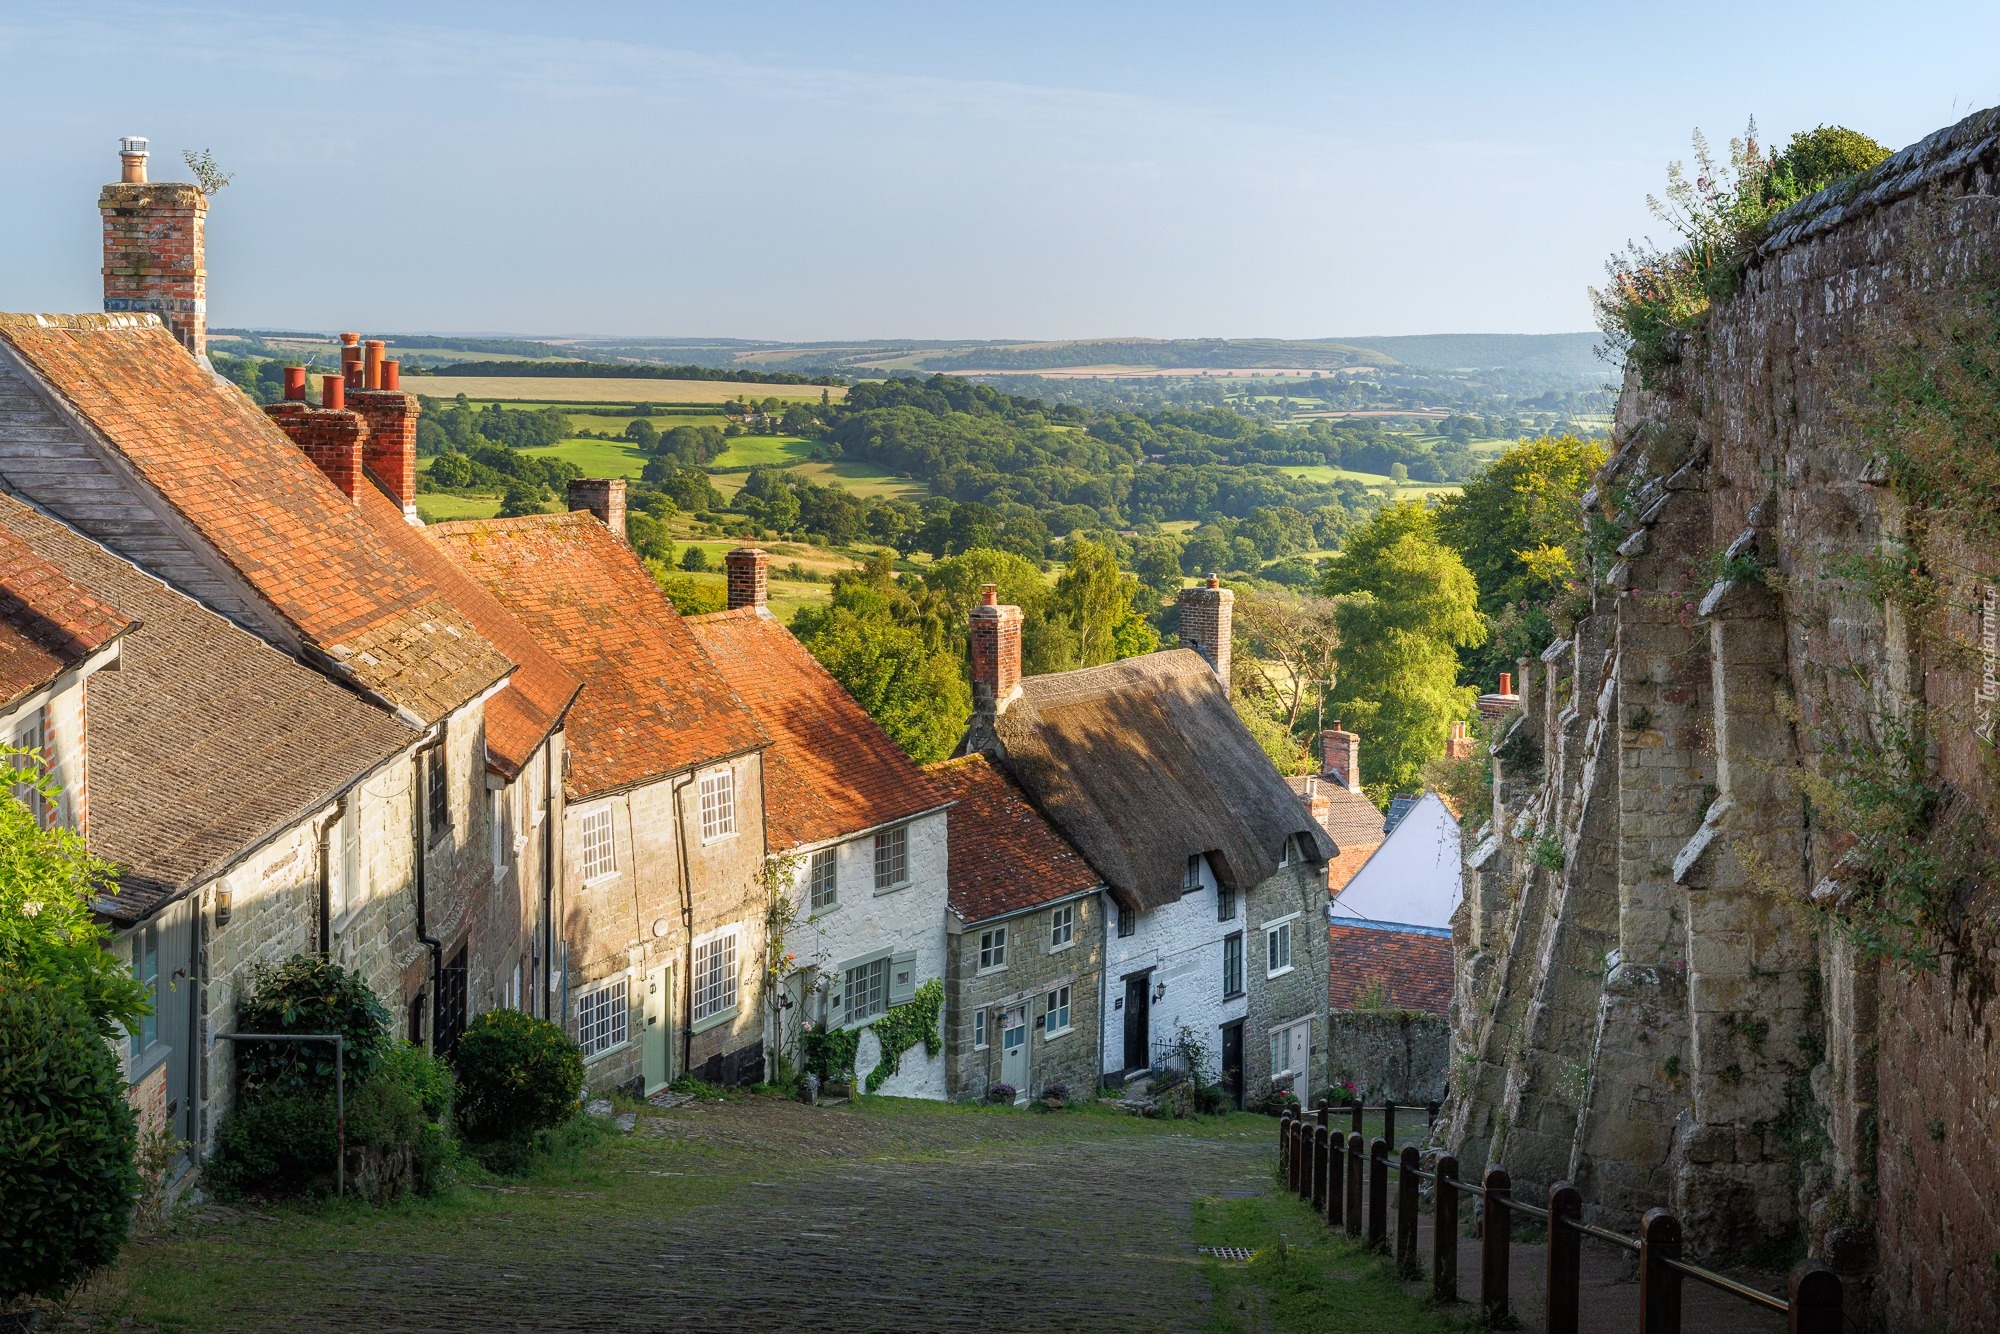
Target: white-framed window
x=902, y=979
x=715, y=975
x=599, y=851
x=1277, y=947
x=603, y=1017
x=1225, y=903
x=892, y=859
x=718, y=804
x=866, y=988
x=1232, y=964
x=29, y=738
x=1055, y=1013
x=978, y=1030
x=993, y=949
x=823, y=879
x=1128, y=920
x=1191, y=878
x=1062, y=927
x=1291, y=1049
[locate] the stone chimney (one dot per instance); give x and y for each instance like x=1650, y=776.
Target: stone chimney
x=1340, y=757
x=996, y=652
x=1206, y=612
x=602, y=496
x=1459, y=745
x=749, y=577
x=154, y=246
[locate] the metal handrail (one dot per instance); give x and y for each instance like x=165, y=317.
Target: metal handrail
x=339, y=1042
x=1615, y=1238
x=1715, y=1280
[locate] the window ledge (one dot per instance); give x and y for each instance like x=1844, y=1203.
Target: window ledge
x=719, y=838
x=1066, y=945
x=1288, y=968
x=1052, y=1034
x=601, y=878
x=716, y=1020
x=1237, y=994
x=988, y=972
x=608, y=1051
x=883, y=891
x=823, y=910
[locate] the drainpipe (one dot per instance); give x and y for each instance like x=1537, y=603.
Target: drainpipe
x=328, y=834
x=687, y=925
x=1107, y=919
x=548, y=878
x=430, y=942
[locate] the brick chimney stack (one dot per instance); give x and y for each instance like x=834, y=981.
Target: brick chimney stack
x=1206, y=612
x=1340, y=757
x=996, y=652
x=602, y=496
x=154, y=244
x=1459, y=745
x=389, y=451
x=330, y=436
x=749, y=577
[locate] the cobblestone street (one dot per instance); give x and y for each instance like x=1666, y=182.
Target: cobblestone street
x=757, y=1215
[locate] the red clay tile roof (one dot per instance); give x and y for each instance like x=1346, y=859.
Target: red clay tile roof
x=652, y=703
x=535, y=697
x=47, y=623
x=831, y=769
x=1406, y=970
x=1003, y=855
x=206, y=741
x=272, y=516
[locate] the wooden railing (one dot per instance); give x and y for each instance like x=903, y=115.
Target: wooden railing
x=1328, y=1173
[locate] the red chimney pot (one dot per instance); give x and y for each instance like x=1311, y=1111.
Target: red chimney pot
x=295, y=383
x=371, y=374
x=989, y=595
x=1506, y=683
x=332, y=392
x=392, y=375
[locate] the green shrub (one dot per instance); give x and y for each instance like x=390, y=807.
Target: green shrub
x=276, y=1141
x=516, y=1075
x=428, y=1080
x=309, y=993
x=67, y=1183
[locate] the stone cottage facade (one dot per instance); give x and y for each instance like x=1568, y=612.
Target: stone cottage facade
x=1025, y=971
x=662, y=969
x=856, y=835
x=1216, y=871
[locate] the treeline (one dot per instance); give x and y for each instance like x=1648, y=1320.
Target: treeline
x=625, y=370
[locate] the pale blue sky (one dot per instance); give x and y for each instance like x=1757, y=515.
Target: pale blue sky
x=816, y=171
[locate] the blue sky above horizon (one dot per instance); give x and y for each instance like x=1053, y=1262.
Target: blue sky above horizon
x=1036, y=170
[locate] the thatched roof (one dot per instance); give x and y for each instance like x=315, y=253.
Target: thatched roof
x=1143, y=763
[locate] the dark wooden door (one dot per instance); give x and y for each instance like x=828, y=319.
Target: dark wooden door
x=1139, y=1021
x=1232, y=1063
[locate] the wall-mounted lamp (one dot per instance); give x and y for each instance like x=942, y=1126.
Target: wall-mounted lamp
x=1160, y=991
x=224, y=904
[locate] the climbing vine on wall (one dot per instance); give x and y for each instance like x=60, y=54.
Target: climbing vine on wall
x=830, y=1053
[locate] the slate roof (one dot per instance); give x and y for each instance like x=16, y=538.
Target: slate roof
x=831, y=769
x=206, y=741
x=1003, y=855
x=1351, y=821
x=1411, y=967
x=1143, y=763
x=652, y=704
x=48, y=623
x=286, y=531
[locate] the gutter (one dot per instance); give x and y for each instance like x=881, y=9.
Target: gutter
x=687, y=923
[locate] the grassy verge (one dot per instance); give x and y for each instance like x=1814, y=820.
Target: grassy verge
x=1302, y=1277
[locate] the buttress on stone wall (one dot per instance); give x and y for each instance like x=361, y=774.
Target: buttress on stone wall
x=1652, y=1001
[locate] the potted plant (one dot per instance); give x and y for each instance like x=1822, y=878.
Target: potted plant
x=1001, y=1094
x=1055, y=1097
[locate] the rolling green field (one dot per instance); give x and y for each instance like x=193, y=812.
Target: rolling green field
x=752, y=451
x=1404, y=491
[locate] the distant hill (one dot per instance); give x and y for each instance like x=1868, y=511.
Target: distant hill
x=1163, y=353
x=1574, y=353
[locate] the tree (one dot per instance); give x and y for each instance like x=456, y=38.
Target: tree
x=49, y=937
x=1411, y=605
x=1292, y=643
x=915, y=692
x=1519, y=527
x=644, y=435
x=1100, y=603
x=523, y=498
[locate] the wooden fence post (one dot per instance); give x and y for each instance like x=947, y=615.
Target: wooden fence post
x=1444, y=1235
x=1320, y=1156
x=1659, y=1286
x=1336, y=1178
x=1389, y=1123
x=1325, y=1110
x=1814, y=1291
x=1354, y=1185
x=1285, y=1145
x=1378, y=1195
x=1357, y=1116
x=1407, y=1165
x=1308, y=1159
x=1496, y=1224
x=1565, y=1273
